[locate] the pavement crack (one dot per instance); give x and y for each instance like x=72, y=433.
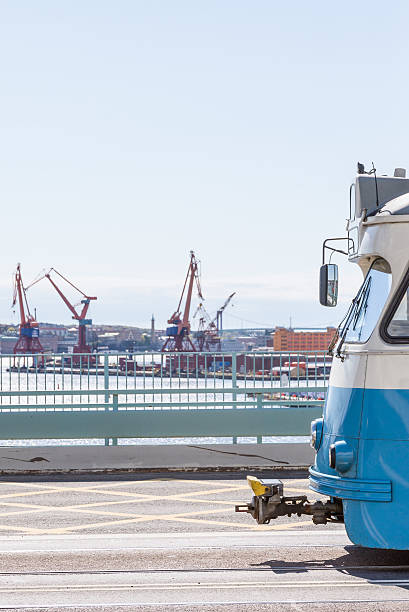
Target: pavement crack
x=214, y=450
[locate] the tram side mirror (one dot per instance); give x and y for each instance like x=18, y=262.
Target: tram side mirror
x=329, y=285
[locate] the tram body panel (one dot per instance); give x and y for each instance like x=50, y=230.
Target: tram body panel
x=342, y=421
x=383, y=454
x=381, y=524
x=372, y=417
x=342, y=412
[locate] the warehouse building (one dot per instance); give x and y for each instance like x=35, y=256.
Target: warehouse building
x=296, y=339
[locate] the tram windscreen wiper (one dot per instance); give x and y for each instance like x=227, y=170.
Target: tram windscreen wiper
x=362, y=305
x=359, y=305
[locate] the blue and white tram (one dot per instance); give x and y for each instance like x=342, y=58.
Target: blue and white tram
x=362, y=440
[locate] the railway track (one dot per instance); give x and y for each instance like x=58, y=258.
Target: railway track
x=213, y=571
x=275, y=569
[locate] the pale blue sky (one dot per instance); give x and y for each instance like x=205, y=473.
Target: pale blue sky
x=134, y=131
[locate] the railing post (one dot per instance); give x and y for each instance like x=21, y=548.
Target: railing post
x=234, y=377
x=115, y=409
x=234, y=384
x=106, y=377
x=106, y=386
x=259, y=400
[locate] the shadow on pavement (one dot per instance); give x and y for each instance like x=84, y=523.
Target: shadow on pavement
x=365, y=563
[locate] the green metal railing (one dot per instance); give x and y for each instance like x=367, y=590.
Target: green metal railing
x=154, y=395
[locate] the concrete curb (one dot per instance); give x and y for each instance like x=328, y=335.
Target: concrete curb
x=150, y=458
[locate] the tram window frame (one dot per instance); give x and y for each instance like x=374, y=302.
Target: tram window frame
x=345, y=333
x=392, y=310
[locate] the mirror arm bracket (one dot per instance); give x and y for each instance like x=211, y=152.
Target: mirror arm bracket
x=329, y=248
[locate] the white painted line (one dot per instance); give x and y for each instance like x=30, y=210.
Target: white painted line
x=202, y=605
x=175, y=541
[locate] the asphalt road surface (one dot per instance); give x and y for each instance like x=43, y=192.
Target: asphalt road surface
x=124, y=543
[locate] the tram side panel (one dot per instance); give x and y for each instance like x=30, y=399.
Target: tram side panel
x=383, y=455
x=343, y=411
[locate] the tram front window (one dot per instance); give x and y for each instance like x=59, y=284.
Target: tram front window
x=368, y=304
x=397, y=329
x=399, y=325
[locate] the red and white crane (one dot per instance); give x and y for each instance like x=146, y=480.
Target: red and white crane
x=29, y=332
x=178, y=334
x=80, y=316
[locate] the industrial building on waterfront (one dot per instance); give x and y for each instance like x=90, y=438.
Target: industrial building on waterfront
x=300, y=339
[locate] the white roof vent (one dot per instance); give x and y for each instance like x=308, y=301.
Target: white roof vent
x=400, y=173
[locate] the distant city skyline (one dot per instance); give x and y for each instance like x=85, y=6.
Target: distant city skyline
x=133, y=132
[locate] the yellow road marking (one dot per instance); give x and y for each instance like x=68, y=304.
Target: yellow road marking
x=28, y=530
x=161, y=496
x=129, y=498
x=89, y=508
x=202, y=481
x=47, y=507
x=138, y=482
x=32, y=510
x=143, y=519
x=32, y=485
x=27, y=494
x=122, y=483
x=41, y=509
x=61, y=508
x=47, y=490
x=180, y=517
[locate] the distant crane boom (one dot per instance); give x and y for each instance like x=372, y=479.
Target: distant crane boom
x=81, y=346
x=219, y=315
x=85, y=301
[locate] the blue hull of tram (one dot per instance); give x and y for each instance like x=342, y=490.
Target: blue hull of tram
x=375, y=488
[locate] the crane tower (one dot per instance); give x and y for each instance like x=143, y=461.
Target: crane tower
x=209, y=331
x=29, y=341
x=178, y=334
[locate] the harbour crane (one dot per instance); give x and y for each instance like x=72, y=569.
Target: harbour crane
x=83, y=322
x=219, y=315
x=178, y=334
x=29, y=332
x=209, y=336
x=206, y=335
